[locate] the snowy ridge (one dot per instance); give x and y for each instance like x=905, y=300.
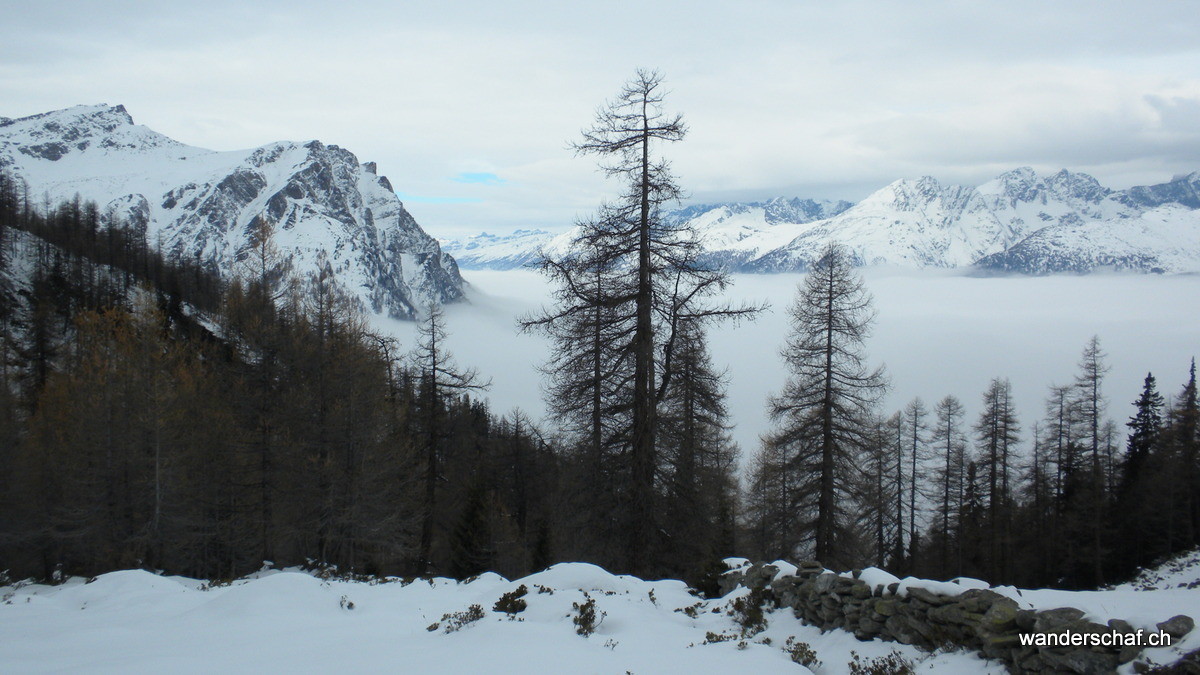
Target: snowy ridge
x=1061, y=222
x=329, y=212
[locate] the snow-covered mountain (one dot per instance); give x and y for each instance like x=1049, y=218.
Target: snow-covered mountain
x=734, y=233
x=1061, y=222
x=1162, y=240
x=327, y=210
x=504, y=252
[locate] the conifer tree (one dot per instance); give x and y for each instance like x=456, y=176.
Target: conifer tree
x=698, y=460
x=651, y=286
x=1185, y=442
x=1145, y=429
x=915, y=413
x=440, y=378
x=997, y=433
x=826, y=410
x=949, y=444
x=1091, y=409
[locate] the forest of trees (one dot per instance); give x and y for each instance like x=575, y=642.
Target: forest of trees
x=154, y=414
x=936, y=498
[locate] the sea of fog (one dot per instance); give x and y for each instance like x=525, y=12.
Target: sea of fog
x=937, y=333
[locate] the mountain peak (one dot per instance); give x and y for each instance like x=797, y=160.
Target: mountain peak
x=107, y=117
x=83, y=128
x=1025, y=173
x=329, y=210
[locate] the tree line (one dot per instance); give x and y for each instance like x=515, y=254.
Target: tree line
x=154, y=414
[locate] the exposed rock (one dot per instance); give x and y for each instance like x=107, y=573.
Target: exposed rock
x=1121, y=626
x=929, y=597
x=1026, y=619
x=956, y=614
x=886, y=607
x=978, y=600
x=1053, y=619
x=1177, y=626
x=1001, y=616
x=860, y=591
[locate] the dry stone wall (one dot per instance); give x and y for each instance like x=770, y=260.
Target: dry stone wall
x=977, y=619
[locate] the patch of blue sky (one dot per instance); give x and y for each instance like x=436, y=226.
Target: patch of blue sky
x=479, y=178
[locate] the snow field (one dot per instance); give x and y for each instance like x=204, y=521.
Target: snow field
x=133, y=621
x=290, y=621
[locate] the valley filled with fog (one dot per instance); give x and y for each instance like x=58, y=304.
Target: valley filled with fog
x=937, y=332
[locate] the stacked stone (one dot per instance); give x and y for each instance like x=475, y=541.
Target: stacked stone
x=977, y=619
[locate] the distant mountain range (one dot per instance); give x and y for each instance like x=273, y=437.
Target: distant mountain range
x=1019, y=222
x=329, y=211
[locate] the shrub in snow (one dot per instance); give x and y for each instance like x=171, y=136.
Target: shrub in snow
x=585, y=619
x=511, y=603
x=711, y=638
x=747, y=611
x=802, y=653
x=457, y=620
x=892, y=664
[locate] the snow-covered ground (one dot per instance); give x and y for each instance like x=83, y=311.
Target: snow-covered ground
x=1182, y=571
x=938, y=332
x=290, y=621
x=299, y=622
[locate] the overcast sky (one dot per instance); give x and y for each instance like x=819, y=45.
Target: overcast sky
x=469, y=107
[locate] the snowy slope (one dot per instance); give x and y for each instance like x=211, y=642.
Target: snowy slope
x=327, y=209
x=1165, y=239
x=293, y=621
x=290, y=621
x=1180, y=572
x=1069, y=220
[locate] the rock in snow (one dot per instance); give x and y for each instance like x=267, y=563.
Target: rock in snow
x=329, y=212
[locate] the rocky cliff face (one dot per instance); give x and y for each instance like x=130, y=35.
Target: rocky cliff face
x=327, y=211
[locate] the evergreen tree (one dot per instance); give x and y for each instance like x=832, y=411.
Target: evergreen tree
x=774, y=509
x=698, y=462
x=950, y=446
x=915, y=413
x=825, y=412
x=1185, y=448
x=1135, y=522
x=997, y=433
x=440, y=377
x=1091, y=505
x=650, y=286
